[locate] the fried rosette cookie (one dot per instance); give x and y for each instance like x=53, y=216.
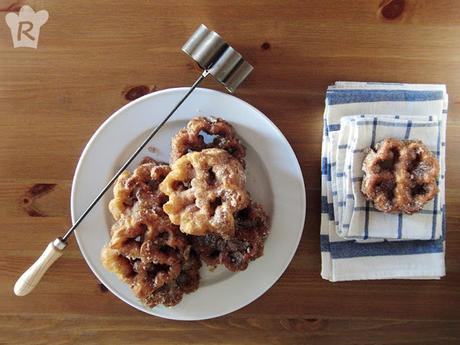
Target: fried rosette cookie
x=190, y=138
x=247, y=245
x=146, y=250
x=138, y=192
x=400, y=176
x=205, y=190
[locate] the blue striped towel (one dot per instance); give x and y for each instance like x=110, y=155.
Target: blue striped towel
x=356, y=218
x=405, y=111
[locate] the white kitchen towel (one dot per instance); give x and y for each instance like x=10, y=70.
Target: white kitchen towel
x=345, y=259
x=356, y=217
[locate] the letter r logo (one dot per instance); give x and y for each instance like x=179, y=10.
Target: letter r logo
x=25, y=26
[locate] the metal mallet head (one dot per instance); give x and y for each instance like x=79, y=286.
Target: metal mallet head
x=217, y=57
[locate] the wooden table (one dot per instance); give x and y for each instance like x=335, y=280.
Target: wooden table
x=93, y=57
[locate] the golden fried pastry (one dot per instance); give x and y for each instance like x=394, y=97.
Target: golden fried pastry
x=140, y=189
x=205, y=190
x=146, y=250
x=400, y=176
x=247, y=244
x=190, y=138
x=168, y=219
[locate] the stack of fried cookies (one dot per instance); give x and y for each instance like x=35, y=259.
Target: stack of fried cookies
x=167, y=218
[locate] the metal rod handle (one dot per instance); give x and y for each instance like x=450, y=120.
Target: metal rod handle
x=133, y=156
x=30, y=278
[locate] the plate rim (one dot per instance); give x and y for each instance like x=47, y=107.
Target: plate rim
x=107, y=121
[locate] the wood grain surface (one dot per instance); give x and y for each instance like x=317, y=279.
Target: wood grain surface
x=95, y=56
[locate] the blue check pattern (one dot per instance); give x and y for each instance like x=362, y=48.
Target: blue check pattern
x=355, y=220
x=388, y=100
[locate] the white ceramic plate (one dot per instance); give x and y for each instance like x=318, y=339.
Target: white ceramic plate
x=274, y=179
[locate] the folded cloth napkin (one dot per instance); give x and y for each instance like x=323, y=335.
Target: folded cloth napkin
x=374, y=258
x=356, y=217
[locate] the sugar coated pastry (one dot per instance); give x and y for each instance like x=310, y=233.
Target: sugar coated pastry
x=247, y=244
x=146, y=250
x=190, y=138
x=205, y=190
x=400, y=176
